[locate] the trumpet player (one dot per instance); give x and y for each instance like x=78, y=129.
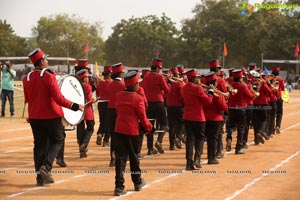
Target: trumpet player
x=279, y=113
x=237, y=110
x=214, y=120
x=174, y=103
x=194, y=118
x=260, y=111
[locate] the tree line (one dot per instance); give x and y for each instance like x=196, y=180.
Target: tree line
x=136, y=41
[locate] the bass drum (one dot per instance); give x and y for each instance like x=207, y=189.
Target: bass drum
x=72, y=89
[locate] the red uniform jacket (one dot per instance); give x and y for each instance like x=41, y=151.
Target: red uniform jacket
x=241, y=98
x=264, y=95
x=44, y=96
x=130, y=109
x=194, y=99
x=141, y=92
x=213, y=111
x=281, y=87
x=113, y=88
x=221, y=84
x=175, y=96
x=89, y=113
x=155, y=87
x=101, y=91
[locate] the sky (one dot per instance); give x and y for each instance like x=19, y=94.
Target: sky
x=23, y=15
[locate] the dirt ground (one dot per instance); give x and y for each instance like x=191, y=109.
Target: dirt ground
x=268, y=171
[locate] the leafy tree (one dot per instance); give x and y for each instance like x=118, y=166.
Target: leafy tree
x=10, y=43
x=135, y=41
x=63, y=35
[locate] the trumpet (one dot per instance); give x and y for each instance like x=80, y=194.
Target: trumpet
x=231, y=89
x=216, y=91
x=172, y=79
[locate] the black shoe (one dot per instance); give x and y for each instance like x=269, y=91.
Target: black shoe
x=119, y=192
x=39, y=181
x=278, y=130
x=112, y=163
x=158, y=146
x=138, y=187
x=46, y=174
x=171, y=148
x=177, y=143
x=228, y=145
x=99, y=140
x=197, y=164
x=212, y=162
x=260, y=138
x=151, y=152
x=190, y=167
x=183, y=139
x=82, y=151
x=239, y=151
x=61, y=163
x=245, y=146
x=264, y=135
x=219, y=155
x=105, y=144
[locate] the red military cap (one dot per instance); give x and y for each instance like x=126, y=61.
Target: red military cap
x=166, y=71
x=210, y=76
x=119, y=67
x=157, y=62
x=276, y=68
x=82, y=63
x=107, y=68
x=191, y=73
x=180, y=68
x=230, y=71
x=36, y=55
x=174, y=70
x=214, y=63
x=238, y=73
x=131, y=78
x=252, y=66
x=82, y=74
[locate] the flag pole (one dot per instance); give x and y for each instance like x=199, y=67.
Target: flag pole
x=223, y=61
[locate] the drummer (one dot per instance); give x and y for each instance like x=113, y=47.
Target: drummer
x=84, y=133
x=44, y=98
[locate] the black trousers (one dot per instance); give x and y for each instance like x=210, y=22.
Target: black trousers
x=176, y=124
x=102, y=130
x=279, y=112
x=221, y=132
x=48, y=135
x=126, y=146
x=237, y=118
x=272, y=116
x=111, y=121
x=195, y=133
x=84, y=134
x=260, y=119
x=249, y=122
x=61, y=152
x=212, y=130
x=156, y=110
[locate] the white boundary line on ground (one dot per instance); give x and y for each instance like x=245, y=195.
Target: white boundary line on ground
x=248, y=185
x=255, y=180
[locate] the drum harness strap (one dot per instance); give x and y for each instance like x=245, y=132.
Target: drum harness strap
x=41, y=74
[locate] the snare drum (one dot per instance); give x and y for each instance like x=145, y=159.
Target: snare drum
x=72, y=89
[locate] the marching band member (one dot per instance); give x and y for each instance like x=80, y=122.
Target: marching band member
x=131, y=112
x=155, y=86
x=113, y=88
x=280, y=81
x=214, y=119
x=215, y=66
x=272, y=105
x=83, y=64
x=102, y=96
x=237, y=110
x=174, y=103
x=260, y=112
x=194, y=119
x=85, y=128
x=44, y=98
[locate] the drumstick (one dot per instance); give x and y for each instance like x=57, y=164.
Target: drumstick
x=88, y=102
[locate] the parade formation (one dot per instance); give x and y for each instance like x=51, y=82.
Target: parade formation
x=193, y=109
